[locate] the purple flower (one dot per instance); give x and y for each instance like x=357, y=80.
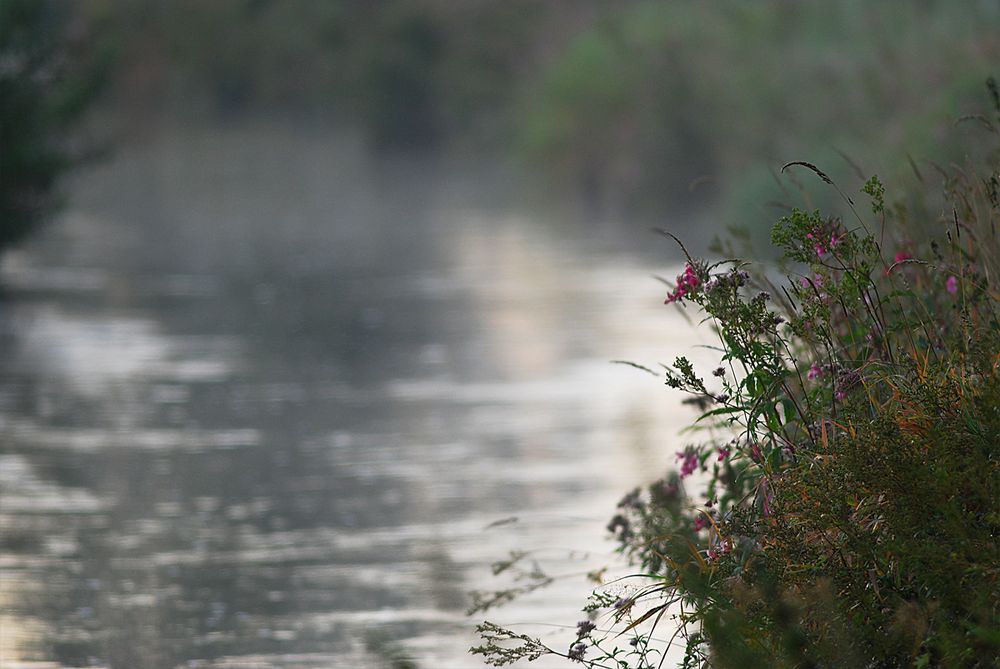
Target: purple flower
x=723, y=453
x=814, y=372
x=951, y=285
x=577, y=651
x=690, y=462
x=700, y=522
x=583, y=628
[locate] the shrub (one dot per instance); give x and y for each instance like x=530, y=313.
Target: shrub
x=47, y=80
x=851, y=516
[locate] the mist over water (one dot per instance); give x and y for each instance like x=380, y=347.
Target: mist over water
x=263, y=395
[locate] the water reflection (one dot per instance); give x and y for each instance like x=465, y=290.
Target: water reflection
x=256, y=411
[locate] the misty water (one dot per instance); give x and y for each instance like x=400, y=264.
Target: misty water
x=264, y=398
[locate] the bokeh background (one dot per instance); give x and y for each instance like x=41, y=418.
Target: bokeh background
x=320, y=320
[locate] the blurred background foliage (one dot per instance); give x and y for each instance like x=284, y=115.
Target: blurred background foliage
x=49, y=73
x=635, y=110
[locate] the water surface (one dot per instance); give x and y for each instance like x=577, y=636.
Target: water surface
x=262, y=398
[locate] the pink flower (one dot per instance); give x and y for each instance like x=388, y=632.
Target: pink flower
x=951, y=285
x=821, y=249
x=700, y=522
x=902, y=256
x=723, y=453
x=816, y=281
x=814, y=372
x=723, y=547
x=686, y=283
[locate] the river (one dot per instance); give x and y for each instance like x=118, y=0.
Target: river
x=263, y=400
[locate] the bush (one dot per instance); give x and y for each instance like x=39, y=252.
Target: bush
x=851, y=516
x=47, y=81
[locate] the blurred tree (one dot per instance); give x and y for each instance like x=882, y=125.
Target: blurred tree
x=48, y=78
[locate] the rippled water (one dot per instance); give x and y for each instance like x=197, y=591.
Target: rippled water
x=261, y=400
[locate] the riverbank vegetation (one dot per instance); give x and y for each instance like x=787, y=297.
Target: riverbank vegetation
x=634, y=110
x=839, y=504
x=49, y=75
x=638, y=108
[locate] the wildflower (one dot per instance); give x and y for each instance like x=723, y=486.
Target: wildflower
x=700, y=523
x=901, y=256
x=622, y=603
x=722, y=548
x=723, y=453
x=816, y=281
x=577, y=651
x=690, y=462
x=687, y=282
x=719, y=371
x=840, y=395
x=583, y=628
x=951, y=285
x=814, y=372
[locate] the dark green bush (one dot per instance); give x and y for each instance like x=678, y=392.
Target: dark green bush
x=48, y=77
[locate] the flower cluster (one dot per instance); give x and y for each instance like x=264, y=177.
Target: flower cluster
x=689, y=462
x=722, y=548
x=687, y=282
x=577, y=652
x=820, y=244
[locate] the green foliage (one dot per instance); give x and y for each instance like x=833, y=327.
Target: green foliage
x=655, y=97
x=409, y=73
x=502, y=647
x=47, y=81
x=851, y=509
